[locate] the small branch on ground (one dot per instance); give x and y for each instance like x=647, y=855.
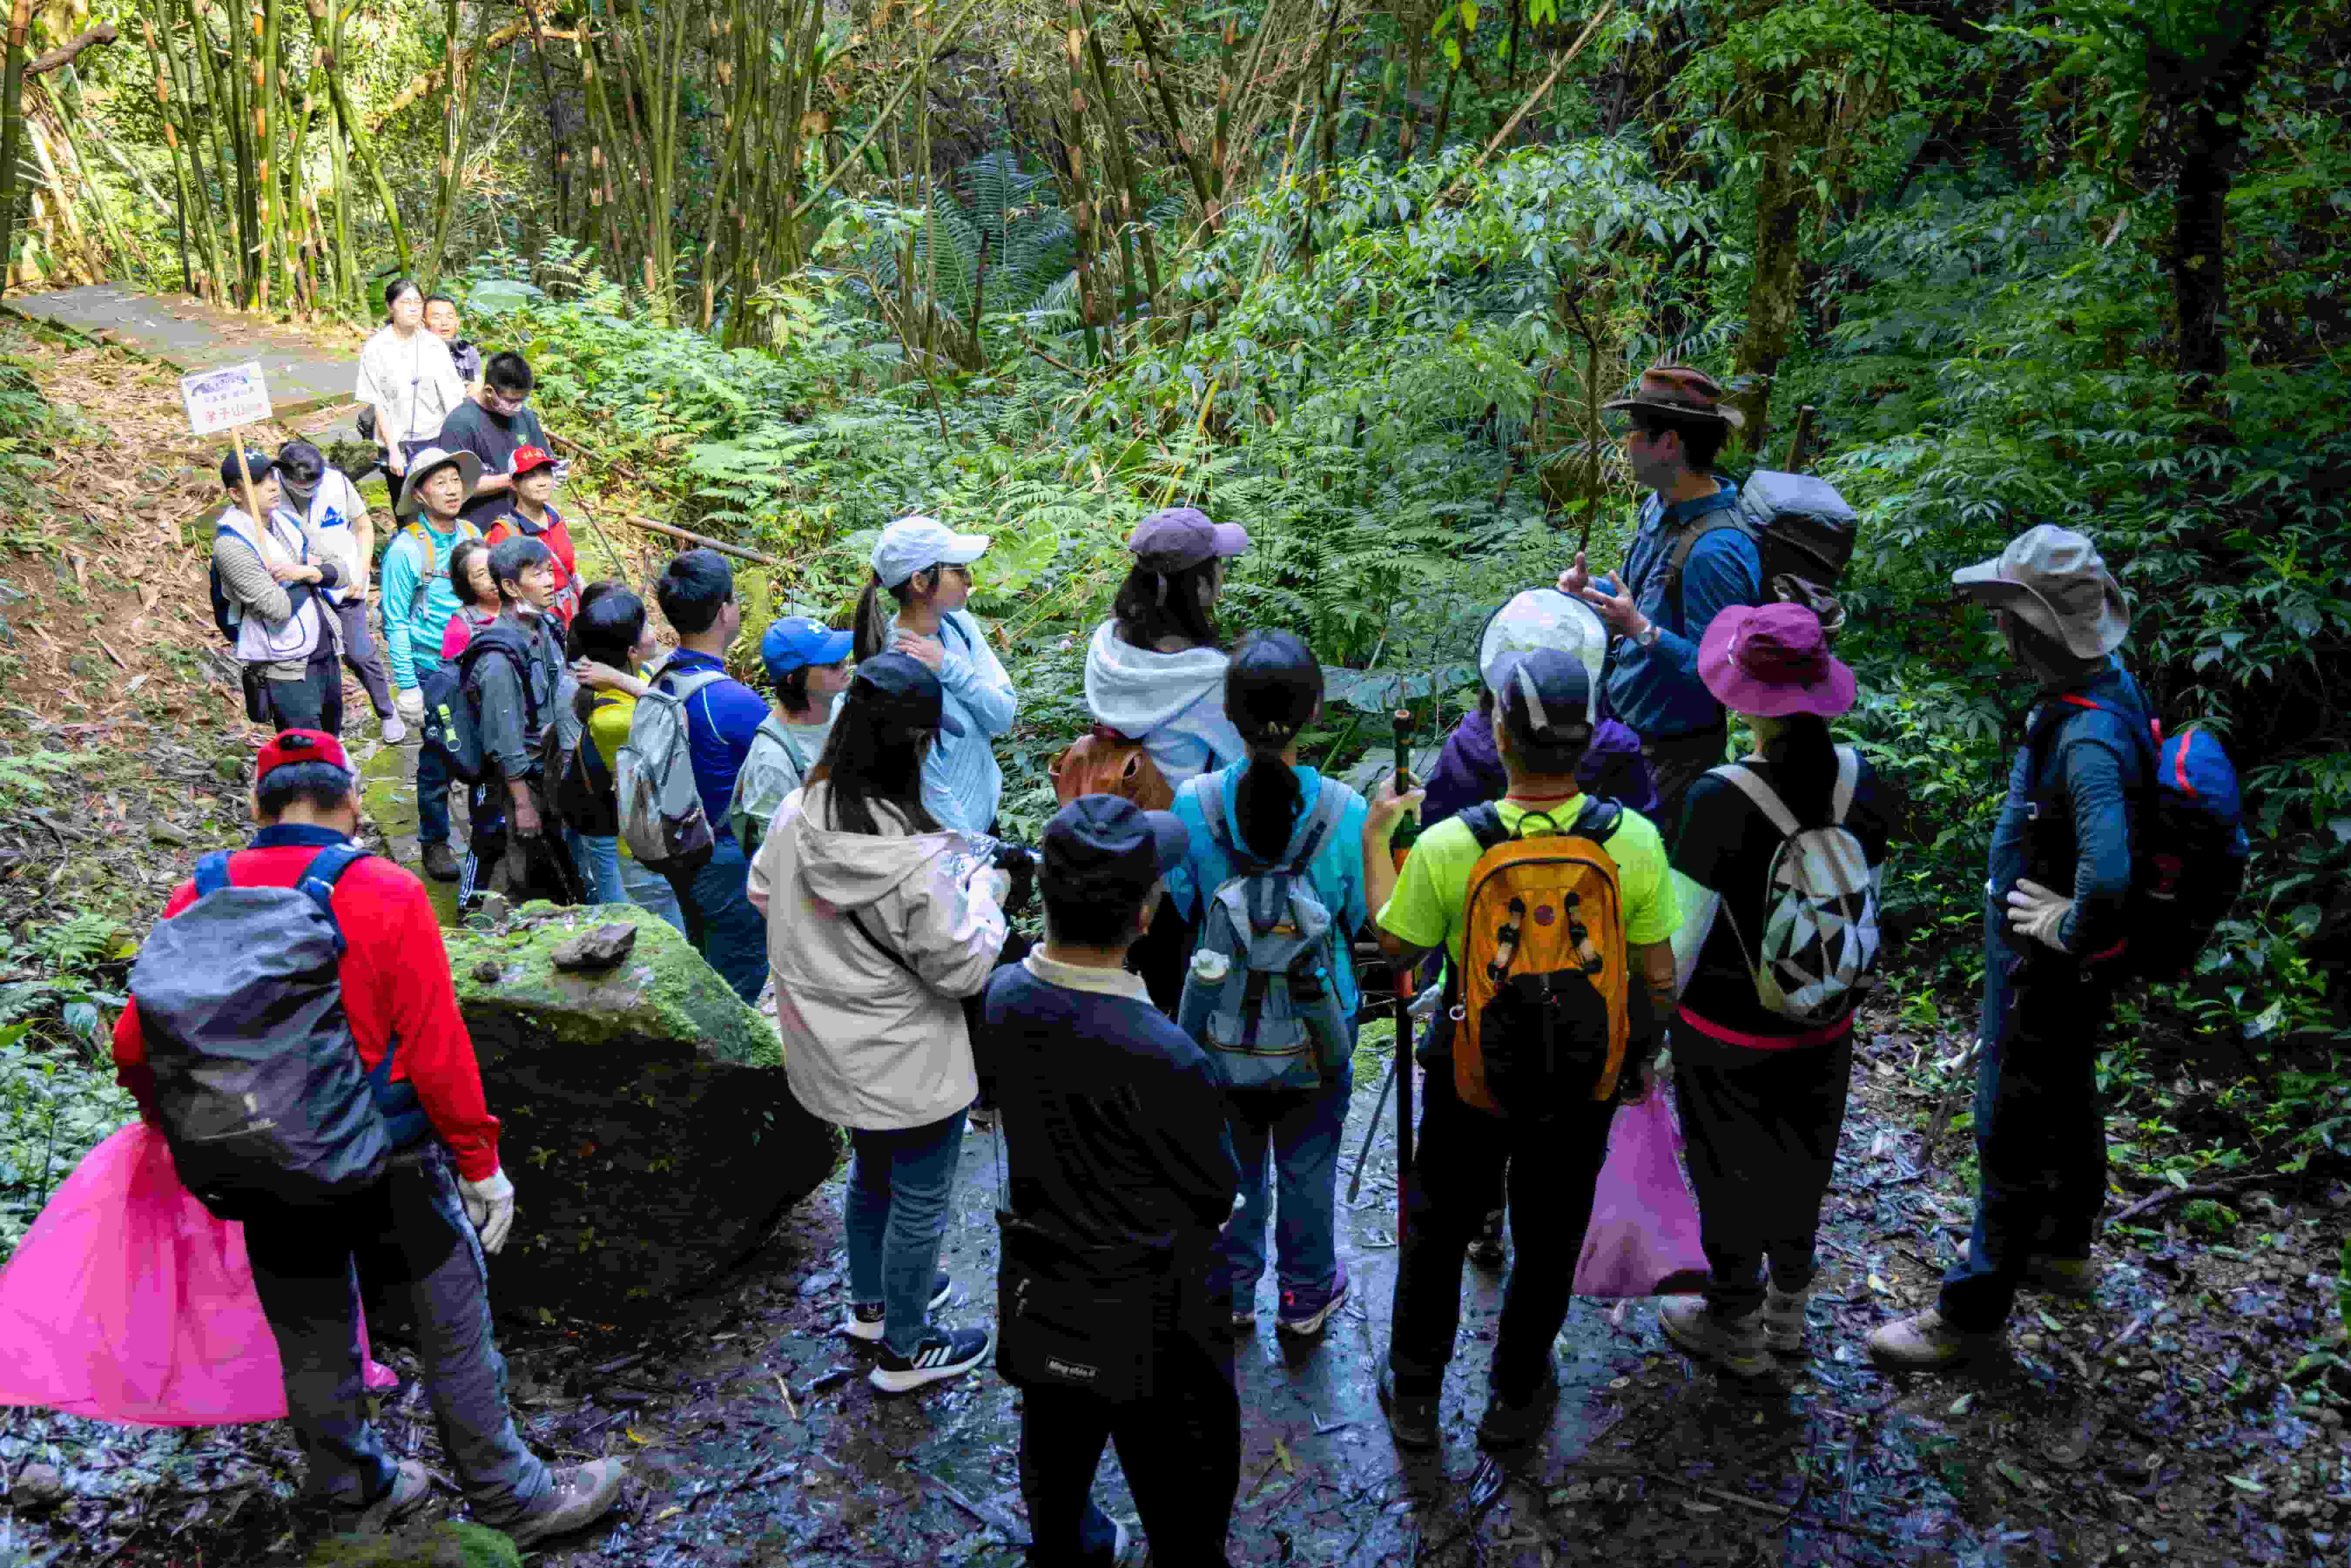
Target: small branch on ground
x=2162, y=1195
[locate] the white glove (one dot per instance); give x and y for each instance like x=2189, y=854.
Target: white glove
x=995, y=881
x=1424, y=1006
x=490, y=1204
x=2039, y=913
x=409, y=704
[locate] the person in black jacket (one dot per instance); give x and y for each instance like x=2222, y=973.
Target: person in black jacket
x=1122, y=1174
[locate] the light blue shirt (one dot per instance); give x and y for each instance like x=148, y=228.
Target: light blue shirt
x=962, y=784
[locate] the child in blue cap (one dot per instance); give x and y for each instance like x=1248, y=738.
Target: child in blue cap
x=808, y=669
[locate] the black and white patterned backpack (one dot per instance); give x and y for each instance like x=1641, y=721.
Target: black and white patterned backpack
x=1819, y=949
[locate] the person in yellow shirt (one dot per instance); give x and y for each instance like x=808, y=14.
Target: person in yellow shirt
x=611, y=637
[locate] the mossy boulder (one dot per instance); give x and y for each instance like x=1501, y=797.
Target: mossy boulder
x=648, y=1128
x=447, y=1545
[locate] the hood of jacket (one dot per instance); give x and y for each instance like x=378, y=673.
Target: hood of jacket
x=851, y=869
x=1135, y=690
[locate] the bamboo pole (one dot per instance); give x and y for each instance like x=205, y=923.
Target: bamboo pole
x=1114, y=135
x=12, y=131
x=1081, y=206
x=453, y=115
x=1193, y=169
x=350, y=123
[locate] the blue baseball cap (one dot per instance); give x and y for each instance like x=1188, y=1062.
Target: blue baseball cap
x=796, y=641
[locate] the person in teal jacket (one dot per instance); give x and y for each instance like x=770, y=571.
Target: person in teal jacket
x=418, y=601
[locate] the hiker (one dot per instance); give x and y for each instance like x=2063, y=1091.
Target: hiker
x=534, y=518
x=1121, y=1173
x=879, y=923
x=926, y=567
x=1780, y=855
x=806, y=665
x=421, y=1218
x=609, y=639
x=267, y=599
x=494, y=426
x=331, y=511
x=1155, y=674
x=2053, y=941
x=1688, y=561
x=1554, y=1138
x=441, y=320
x=697, y=597
x=518, y=682
x=477, y=597
x=1270, y=810
x=408, y=382
x=418, y=599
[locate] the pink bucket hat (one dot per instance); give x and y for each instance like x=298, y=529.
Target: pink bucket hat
x=1772, y=661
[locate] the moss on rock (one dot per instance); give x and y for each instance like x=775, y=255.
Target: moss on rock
x=446, y=1545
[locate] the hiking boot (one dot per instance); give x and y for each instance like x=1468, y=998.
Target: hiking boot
x=1487, y=1250
x=2059, y=1276
x=440, y=862
x=865, y=1317
x=411, y=1484
x=1784, y=1320
x=582, y=1495
x=1510, y=1423
x=1125, y=1548
x=1412, y=1418
x=1735, y=1344
x=944, y=1353
x=392, y=728
x=1925, y=1343
x=1304, y=1312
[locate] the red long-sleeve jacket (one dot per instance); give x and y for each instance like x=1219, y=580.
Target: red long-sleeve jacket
x=396, y=975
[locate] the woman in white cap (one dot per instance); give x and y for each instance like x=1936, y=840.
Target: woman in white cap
x=926, y=567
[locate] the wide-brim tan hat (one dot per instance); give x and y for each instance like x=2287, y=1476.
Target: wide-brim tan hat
x=1682, y=392
x=2055, y=583
x=425, y=463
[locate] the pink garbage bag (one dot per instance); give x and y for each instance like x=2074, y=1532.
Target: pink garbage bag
x=128, y=1301
x=1643, y=1241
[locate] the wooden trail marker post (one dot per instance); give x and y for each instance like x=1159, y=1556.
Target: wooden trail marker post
x=229, y=399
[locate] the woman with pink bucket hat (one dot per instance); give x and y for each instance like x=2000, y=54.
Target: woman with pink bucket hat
x=1778, y=861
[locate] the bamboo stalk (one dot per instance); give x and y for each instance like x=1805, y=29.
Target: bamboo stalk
x=350, y=123
x=1081, y=206
x=1114, y=135
x=444, y=201
x=1193, y=168
x=841, y=164
x=12, y=131
x=165, y=110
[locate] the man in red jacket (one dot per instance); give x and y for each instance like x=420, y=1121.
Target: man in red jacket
x=396, y=988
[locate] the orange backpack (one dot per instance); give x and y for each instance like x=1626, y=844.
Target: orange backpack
x=1105, y=762
x=1541, y=1007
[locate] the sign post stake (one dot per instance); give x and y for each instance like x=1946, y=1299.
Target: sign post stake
x=244, y=478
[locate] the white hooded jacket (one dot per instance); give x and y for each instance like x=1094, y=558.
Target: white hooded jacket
x=1173, y=703
x=874, y=1040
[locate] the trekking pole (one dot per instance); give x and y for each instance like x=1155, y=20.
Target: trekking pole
x=1371, y=1131
x=1403, y=1089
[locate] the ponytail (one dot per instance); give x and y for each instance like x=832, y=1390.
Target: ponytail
x=873, y=625
x=1803, y=764
x=1273, y=686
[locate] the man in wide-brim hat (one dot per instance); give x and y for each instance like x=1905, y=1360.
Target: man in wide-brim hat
x=1690, y=561
x=418, y=599
x=2054, y=933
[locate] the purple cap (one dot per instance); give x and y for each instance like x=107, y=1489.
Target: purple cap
x=1182, y=537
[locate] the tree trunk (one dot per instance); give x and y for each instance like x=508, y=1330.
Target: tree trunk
x=1782, y=198
x=12, y=132
x=2210, y=101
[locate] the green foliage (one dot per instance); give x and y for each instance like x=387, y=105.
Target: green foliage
x=57, y=1095
x=444, y=1545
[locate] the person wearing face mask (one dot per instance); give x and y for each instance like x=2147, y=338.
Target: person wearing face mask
x=515, y=675
x=2054, y=933
x=273, y=576
x=496, y=426
x=331, y=510
x=441, y=320
x=407, y=381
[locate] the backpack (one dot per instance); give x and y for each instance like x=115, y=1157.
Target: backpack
x=257, y=1083
x=227, y=613
x=772, y=768
x=1819, y=950
x=415, y=532
x=660, y=804
x=1261, y=995
x=453, y=705
x=1804, y=534
x=2189, y=846
x=579, y=783
x=1105, y=762
x=1543, y=998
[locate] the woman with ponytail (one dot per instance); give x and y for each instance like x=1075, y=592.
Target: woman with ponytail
x=1273, y=690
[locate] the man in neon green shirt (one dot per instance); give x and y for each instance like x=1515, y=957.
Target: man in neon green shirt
x=1543, y=726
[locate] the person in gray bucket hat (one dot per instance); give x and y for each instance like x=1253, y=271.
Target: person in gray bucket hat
x=2054, y=936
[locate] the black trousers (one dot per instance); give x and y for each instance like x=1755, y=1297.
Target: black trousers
x=1163, y=954
x=314, y=701
x=1457, y=1167
x=1181, y=1449
x=1760, y=1141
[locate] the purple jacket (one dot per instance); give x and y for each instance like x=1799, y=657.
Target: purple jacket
x=1469, y=769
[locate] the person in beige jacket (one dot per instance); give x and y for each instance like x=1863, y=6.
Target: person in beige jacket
x=270, y=575
x=879, y=923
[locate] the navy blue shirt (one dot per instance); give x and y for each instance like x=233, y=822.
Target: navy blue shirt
x=720, y=720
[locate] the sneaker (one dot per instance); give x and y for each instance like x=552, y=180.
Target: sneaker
x=2058, y=1276
x=1925, y=1343
x=1734, y=1344
x=1412, y=1418
x=944, y=1353
x=1784, y=1320
x=411, y=1484
x=865, y=1317
x=1509, y=1425
x=1123, y=1544
x=1488, y=1252
x=440, y=862
x=582, y=1495
x=393, y=729
x=1304, y=1313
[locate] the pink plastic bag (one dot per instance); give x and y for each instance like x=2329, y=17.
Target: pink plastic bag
x=128, y=1301
x=1643, y=1241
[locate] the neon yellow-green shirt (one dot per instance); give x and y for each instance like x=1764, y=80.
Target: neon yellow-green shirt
x=1426, y=909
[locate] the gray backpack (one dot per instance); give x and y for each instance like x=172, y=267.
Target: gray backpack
x=1261, y=995
x=257, y=1081
x=772, y=768
x=653, y=780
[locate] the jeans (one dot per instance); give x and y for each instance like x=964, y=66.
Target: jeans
x=305, y=1270
x=365, y=659
x=1302, y=1131
x=1458, y=1164
x=1762, y=1140
x=895, y=1211
x=432, y=794
x=1181, y=1449
x=729, y=934
x=651, y=889
x=601, y=861
x=314, y=701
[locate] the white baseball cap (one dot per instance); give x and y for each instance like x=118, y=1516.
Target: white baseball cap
x=913, y=544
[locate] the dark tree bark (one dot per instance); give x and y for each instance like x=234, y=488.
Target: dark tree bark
x=2205, y=99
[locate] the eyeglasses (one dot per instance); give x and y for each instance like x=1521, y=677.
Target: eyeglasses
x=510, y=402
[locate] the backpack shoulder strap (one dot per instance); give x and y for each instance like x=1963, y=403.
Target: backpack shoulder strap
x=1598, y=820
x=1848, y=778
x=1313, y=826
x=1484, y=821
x=1720, y=520
x=212, y=873
x=319, y=879
x=1766, y=800
x=1210, y=800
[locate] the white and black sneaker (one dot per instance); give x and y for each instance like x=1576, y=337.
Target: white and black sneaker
x=865, y=1318
x=944, y=1353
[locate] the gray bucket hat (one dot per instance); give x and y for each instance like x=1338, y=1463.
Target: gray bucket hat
x=2056, y=583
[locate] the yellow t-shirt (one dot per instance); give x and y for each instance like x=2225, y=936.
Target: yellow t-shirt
x=1426, y=909
x=608, y=727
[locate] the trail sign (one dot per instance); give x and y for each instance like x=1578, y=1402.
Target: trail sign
x=225, y=398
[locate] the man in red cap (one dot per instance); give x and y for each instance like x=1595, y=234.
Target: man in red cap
x=534, y=518
x=436, y=1193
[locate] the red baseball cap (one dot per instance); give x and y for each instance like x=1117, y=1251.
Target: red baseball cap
x=301, y=746
x=527, y=458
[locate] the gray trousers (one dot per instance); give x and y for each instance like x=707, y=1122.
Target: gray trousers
x=305, y=1264
x=365, y=659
